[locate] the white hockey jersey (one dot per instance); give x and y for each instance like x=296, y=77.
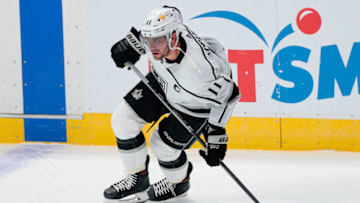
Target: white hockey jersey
x=199, y=84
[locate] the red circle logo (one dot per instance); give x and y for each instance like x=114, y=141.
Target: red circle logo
x=308, y=21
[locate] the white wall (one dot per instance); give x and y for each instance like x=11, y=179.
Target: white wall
x=11, y=99
x=75, y=23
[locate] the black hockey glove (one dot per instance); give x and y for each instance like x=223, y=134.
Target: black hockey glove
x=216, y=145
x=127, y=49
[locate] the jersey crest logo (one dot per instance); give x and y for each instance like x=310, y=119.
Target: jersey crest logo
x=162, y=83
x=137, y=94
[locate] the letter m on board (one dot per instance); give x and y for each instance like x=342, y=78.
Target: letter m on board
x=332, y=68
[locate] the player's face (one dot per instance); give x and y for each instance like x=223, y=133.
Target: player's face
x=158, y=46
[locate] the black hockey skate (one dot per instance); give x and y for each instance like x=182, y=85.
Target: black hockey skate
x=164, y=190
x=133, y=188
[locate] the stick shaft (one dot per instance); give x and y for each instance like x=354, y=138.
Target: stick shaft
x=188, y=127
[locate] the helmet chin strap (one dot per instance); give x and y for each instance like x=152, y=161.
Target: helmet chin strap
x=169, y=39
x=176, y=42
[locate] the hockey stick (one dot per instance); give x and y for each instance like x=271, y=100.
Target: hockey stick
x=187, y=127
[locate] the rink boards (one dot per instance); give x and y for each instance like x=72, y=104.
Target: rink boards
x=297, y=65
x=244, y=133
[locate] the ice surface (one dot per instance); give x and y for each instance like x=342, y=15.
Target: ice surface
x=47, y=173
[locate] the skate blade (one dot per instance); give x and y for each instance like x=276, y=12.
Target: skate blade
x=172, y=199
x=134, y=198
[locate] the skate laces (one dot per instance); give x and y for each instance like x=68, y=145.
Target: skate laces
x=126, y=183
x=162, y=187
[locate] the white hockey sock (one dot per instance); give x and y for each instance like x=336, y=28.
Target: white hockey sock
x=134, y=160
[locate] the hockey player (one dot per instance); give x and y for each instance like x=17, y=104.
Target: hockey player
x=194, y=76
